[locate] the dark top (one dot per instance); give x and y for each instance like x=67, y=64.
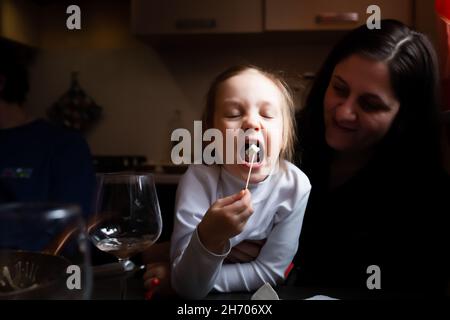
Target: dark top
x=389, y=215
x=41, y=162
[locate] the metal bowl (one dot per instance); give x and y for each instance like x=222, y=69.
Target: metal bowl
x=32, y=275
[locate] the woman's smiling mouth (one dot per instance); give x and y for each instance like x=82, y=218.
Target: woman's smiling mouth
x=344, y=128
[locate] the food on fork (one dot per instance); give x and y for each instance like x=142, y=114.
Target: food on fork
x=252, y=151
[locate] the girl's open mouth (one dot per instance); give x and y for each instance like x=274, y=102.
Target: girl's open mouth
x=247, y=153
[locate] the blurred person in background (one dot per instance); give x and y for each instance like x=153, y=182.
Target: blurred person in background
x=39, y=161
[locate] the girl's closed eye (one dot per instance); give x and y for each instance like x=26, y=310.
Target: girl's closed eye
x=268, y=112
x=232, y=110
x=267, y=115
x=232, y=114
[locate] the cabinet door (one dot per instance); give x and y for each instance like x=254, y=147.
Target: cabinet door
x=330, y=15
x=196, y=16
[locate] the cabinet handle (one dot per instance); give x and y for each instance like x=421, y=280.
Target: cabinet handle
x=188, y=24
x=335, y=17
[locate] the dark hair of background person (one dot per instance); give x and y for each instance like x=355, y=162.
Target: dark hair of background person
x=15, y=60
x=414, y=137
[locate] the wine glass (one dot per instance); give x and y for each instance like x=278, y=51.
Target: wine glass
x=127, y=217
x=44, y=252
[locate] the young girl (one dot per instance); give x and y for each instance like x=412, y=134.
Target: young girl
x=214, y=212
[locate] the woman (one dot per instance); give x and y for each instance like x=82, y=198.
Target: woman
x=369, y=139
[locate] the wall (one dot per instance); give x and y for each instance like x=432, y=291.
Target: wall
x=426, y=21
x=138, y=86
x=19, y=21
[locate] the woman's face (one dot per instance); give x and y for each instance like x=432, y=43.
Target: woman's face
x=253, y=103
x=359, y=104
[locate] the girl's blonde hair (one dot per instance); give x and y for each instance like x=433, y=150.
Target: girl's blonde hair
x=288, y=112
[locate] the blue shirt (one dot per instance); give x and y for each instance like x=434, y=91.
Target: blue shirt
x=40, y=162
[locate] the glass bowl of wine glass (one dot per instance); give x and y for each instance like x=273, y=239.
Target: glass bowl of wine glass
x=127, y=217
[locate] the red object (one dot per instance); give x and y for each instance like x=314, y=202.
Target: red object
x=155, y=282
x=443, y=9
x=288, y=269
x=149, y=294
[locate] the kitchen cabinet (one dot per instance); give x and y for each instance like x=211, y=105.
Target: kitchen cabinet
x=299, y=15
x=196, y=16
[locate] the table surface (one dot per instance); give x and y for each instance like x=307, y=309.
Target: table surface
x=107, y=287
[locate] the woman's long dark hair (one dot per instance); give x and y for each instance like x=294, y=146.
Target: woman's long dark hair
x=414, y=136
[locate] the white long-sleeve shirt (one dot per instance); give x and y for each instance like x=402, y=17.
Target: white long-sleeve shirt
x=279, y=204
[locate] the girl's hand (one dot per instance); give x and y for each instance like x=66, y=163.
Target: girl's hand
x=225, y=219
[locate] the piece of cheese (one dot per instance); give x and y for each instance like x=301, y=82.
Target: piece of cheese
x=253, y=149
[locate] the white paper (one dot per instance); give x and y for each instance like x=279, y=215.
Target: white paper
x=266, y=292
x=321, y=297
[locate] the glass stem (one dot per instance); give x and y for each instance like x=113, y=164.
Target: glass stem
x=123, y=281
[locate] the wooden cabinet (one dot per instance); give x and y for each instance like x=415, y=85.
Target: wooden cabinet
x=255, y=16
x=196, y=16
x=291, y=15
